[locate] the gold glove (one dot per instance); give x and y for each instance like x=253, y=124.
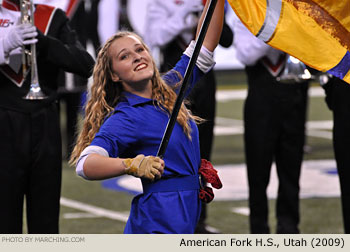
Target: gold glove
x=148, y=167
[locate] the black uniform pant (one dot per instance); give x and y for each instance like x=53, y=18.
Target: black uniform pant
x=30, y=157
x=73, y=105
x=274, y=121
x=339, y=102
x=203, y=104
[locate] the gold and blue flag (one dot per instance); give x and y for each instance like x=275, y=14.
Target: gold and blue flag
x=316, y=32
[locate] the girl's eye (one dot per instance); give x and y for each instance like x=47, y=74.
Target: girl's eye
x=124, y=56
x=141, y=49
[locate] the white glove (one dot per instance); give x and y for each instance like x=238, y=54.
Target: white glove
x=23, y=34
x=188, y=7
x=184, y=14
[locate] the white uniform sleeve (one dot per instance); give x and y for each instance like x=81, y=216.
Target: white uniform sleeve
x=163, y=23
x=86, y=152
x=205, y=61
x=4, y=59
x=249, y=48
x=108, y=19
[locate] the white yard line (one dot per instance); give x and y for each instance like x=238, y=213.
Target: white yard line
x=241, y=210
x=227, y=126
x=320, y=134
x=79, y=215
x=325, y=125
x=228, y=131
x=97, y=211
x=227, y=95
x=228, y=121
x=240, y=94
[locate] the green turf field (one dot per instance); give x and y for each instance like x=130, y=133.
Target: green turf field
x=89, y=208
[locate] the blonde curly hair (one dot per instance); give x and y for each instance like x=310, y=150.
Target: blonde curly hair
x=105, y=95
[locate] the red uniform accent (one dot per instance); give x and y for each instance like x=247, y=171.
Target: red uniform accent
x=274, y=69
x=72, y=6
x=10, y=5
x=42, y=17
x=17, y=77
x=4, y=22
x=179, y=2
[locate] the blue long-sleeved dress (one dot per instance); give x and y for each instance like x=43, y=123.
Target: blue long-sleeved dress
x=171, y=204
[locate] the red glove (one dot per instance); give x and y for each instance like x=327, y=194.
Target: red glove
x=209, y=175
x=206, y=194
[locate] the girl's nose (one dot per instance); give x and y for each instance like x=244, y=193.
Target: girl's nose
x=137, y=58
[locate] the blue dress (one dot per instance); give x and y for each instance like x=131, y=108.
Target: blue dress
x=171, y=204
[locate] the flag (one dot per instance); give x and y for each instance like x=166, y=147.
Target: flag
x=317, y=32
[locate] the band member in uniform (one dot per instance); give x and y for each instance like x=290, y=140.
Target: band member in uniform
x=126, y=117
x=274, y=131
x=71, y=86
x=30, y=148
x=338, y=100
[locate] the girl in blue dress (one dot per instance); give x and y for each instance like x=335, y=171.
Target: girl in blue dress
x=126, y=117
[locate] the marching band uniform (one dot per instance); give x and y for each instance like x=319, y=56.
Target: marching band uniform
x=274, y=123
x=30, y=149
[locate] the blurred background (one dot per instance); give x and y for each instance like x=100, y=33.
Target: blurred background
x=102, y=207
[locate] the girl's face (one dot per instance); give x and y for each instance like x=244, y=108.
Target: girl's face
x=131, y=64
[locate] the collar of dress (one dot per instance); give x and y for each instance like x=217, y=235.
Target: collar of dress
x=133, y=99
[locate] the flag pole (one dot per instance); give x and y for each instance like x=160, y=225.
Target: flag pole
x=189, y=70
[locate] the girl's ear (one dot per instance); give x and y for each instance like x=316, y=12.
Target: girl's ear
x=115, y=77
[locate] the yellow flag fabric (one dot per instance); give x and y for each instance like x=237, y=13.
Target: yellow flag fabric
x=316, y=32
